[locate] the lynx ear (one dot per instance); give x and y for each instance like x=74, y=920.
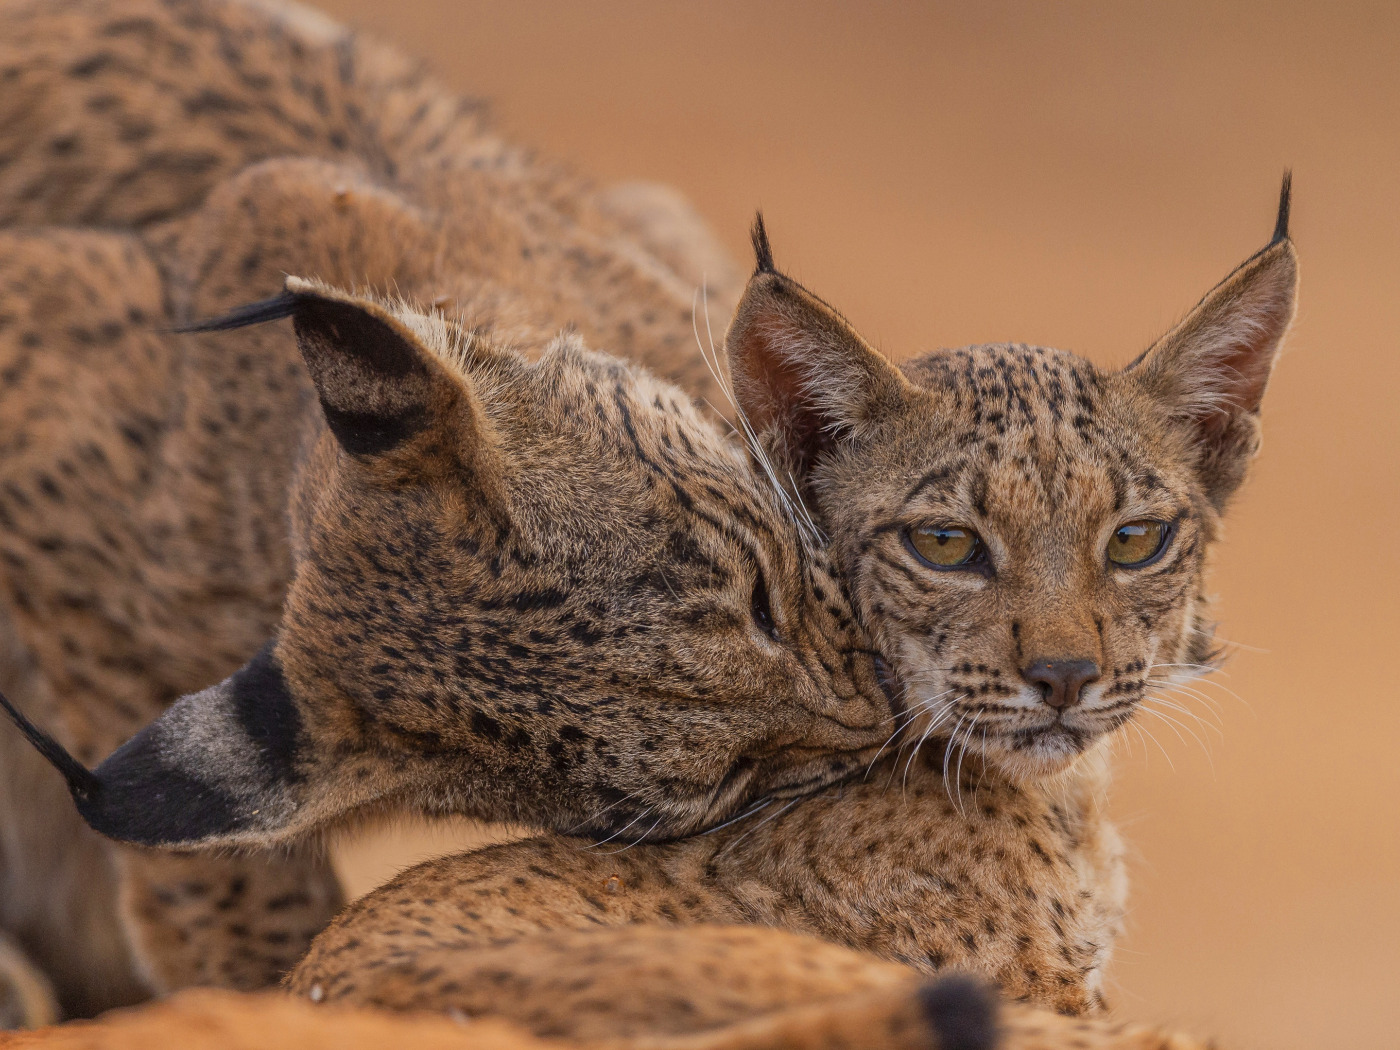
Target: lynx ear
x=1212, y=368
x=220, y=765
x=377, y=383
x=802, y=376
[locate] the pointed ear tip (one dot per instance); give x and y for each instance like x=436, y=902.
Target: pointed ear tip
x=311, y=289
x=762, y=249
x=82, y=782
x=1285, y=207
x=302, y=285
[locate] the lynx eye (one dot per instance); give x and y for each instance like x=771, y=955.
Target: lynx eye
x=946, y=546
x=761, y=609
x=1138, y=543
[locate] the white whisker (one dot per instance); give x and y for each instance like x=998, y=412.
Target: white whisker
x=1147, y=734
x=1176, y=726
x=734, y=820
x=591, y=846
x=962, y=754
x=765, y=820
x=637, y=841
x=600, y=812
x=791, y=499
x=935, y=720
x=948, y=752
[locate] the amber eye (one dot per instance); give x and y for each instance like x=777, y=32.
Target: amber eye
x=946, y=546
x=1138, y=543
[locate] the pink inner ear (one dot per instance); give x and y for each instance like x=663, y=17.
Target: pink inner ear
x=1216, y=364
x=1234, y=356
x=1245, y=371
x=770, y=391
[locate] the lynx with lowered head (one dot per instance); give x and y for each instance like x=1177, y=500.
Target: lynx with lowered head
x=543, y=592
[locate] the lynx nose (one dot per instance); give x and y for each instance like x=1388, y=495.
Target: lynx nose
x=1061, y=680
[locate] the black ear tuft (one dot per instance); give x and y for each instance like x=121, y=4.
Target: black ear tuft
x=82, y=783
x=762, y=250
x=274, y=309
x=962, y=1012
x=1285, y=202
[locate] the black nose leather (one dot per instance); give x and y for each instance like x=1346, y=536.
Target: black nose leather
x=1061, y=680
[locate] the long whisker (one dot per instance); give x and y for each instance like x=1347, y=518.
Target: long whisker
x=1147, y=734
x=957, y=777
x=948, y=752
x=637, y=841
x=888, y=740
x=1174, y=724
x=1181, y=709
x=791, y=498
x=935, y=721
x=1179, y=692
x=982, y=775
x=1176, y=728
x=764, y=804
x=1196, y=675
x=760, y=824
x=594, y=845
x=1199, y=686
x=595, y=816
x=933, y=724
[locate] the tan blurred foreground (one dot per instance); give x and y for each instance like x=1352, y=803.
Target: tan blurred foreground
x=1078, y=177
x=218, y=1020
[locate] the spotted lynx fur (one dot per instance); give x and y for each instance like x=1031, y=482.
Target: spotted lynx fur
x=146, y=476
x=416, y=383
x=987, y=854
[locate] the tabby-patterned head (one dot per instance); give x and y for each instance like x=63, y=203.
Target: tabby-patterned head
x=1024, y=533
x=550, y=593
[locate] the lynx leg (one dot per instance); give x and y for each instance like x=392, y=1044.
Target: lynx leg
x=26, y=997
x=57, y=883
x=227, y=921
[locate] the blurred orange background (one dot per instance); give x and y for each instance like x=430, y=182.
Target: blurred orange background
x=1078, y=176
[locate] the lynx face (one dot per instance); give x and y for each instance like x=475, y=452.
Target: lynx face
x=1041, y=566
x=1025, y=534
